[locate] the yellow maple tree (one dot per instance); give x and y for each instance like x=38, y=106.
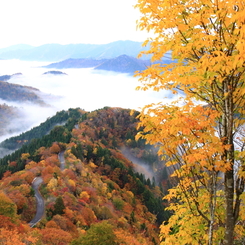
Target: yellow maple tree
x=202, y=137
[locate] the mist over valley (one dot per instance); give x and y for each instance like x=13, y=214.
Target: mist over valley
x=85, y=88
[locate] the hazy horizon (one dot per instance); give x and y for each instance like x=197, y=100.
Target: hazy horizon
x=96, y=22
x=71, y=43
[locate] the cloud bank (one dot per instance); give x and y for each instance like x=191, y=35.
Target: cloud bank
x=83, y=88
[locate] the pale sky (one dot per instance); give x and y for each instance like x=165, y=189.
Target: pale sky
x=38, y=22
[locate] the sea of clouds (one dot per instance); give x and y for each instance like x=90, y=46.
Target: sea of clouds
x=84, y=88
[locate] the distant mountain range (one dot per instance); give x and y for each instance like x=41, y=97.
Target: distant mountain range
x=58, y=52
x=122, y=63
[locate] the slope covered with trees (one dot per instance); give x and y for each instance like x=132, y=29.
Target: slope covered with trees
x=99, y=194
x=16, y=92
x=61, y=118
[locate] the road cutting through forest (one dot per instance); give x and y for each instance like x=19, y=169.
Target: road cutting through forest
x=39, y=199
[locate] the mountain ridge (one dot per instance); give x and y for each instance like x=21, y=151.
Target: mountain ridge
x=122, y=64
x=58, y=52
x=20, y=93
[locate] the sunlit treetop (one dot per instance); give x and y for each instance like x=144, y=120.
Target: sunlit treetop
x=205, y=37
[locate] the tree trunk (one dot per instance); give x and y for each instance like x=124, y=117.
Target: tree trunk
x=227, y=137
x=229, y=196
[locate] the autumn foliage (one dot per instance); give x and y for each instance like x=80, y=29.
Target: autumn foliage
x=98, y=190
x=201, y=135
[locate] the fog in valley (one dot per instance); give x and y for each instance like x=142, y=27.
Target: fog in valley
x=139, y=165
x=87, y=89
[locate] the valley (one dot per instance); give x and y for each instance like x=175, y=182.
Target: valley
x=98, y=185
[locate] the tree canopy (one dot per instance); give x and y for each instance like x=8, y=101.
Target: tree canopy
x=201, y=136
x=101, y=234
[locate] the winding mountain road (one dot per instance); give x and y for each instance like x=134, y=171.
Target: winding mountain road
x=39, y=201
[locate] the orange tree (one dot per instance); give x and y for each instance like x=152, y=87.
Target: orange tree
x=201, y=138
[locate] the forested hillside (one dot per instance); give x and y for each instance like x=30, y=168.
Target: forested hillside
x=15, y=93
x=102, y=186
x=14, y=102
x=60, y=118
x=19, y=93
